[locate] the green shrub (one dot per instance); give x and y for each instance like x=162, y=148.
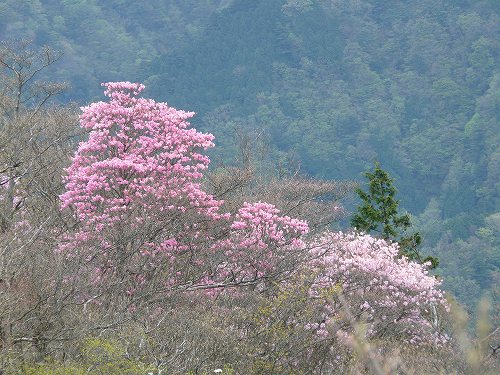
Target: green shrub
x=98, y=357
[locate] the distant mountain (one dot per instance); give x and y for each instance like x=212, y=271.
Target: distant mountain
x=332, y=84
x=104, y=40
x=234, y=59
x=340, y=84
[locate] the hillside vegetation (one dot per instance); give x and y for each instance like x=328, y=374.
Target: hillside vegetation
x=319, y=88
x=337, y=85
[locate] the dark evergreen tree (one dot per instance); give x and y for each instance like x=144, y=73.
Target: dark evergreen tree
x=379, y=213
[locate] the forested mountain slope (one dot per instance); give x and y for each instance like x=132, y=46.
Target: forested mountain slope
x=334, y=85
x=104, y=40
x=340, y=84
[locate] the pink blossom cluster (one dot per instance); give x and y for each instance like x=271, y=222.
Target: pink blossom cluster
x=260, y=239
x=135, y=183
x=138, y=151
x=141, y=165
x=257, y=224
x=135, y=190
x=395, y=296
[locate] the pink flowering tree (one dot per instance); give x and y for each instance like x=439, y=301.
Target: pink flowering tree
x=353, y=290
x=135, y=190
x=395, y=296
x=144, y=226
x=261, y=244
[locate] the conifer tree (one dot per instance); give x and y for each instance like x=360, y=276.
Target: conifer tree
x=379, y=213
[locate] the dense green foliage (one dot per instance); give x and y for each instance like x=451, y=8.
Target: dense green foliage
x=332, y=85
